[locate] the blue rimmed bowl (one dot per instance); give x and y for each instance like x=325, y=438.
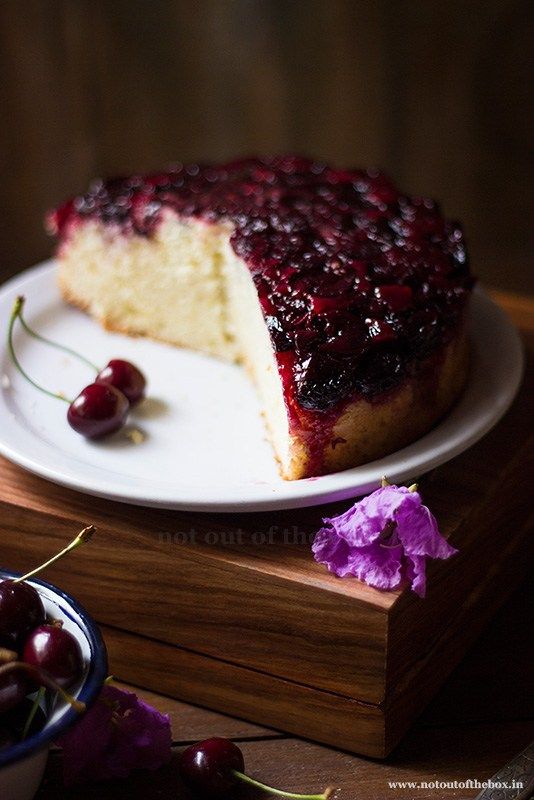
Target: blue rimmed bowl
x=22, y=765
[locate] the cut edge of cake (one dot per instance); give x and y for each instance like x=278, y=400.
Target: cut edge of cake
x=186, y=287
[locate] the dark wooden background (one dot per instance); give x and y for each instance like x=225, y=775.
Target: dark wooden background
x=435, y=92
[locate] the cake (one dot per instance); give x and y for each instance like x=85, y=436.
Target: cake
x=344, y=298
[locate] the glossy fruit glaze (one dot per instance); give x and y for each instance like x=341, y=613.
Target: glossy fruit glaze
x=359, y=283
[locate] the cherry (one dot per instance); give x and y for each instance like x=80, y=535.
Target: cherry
x=102, y=407
x=52, y=656
x=21, y=610
x=17, y=676
x=124, y=376
x=13, y=689
x=99, y=409
x=208, y=766
x=55, y=650
x=215, y=766
x=6, y=739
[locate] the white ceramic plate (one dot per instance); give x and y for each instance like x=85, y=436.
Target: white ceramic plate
x=204, y=447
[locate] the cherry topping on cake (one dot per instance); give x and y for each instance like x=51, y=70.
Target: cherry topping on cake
x=317, y=241
x=396, y=296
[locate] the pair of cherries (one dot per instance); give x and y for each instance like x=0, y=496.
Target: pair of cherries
x=102, y=407
x=35, y=651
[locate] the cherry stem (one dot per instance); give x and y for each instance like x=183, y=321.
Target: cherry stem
x=7, y=655
x=84, y=536
x=33, y=711
x=57, y=345
x=15, y=314
x=41, y=678
x=292, y=795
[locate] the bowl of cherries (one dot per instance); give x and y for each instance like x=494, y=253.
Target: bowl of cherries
x=53, y=664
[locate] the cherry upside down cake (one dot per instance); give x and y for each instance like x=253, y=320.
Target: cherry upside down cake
x=344, y=298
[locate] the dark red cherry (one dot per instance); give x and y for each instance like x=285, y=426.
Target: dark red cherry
x=55, y=650
x=13, y=689
x=207, y=767
x=124, y=376
x=17, y=678
x=99, y=409
x=21, y=610
x=214, y=767
x=7, y=739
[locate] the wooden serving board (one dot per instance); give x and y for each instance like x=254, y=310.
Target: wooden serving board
x=231, y=612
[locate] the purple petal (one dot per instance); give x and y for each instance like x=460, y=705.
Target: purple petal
x=418, y=531
x=377, y=566
x=332, y=551
x=416, y=574
x=145, y=736
x=85, y=744
x=118, y=734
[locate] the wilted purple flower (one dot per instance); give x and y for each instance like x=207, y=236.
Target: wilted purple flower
x=118, y=734
x=382, y=540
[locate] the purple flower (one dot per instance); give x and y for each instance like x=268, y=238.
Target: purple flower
x=383, y=540
x=117, y=734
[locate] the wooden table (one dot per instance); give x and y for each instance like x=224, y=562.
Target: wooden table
x=481, y=718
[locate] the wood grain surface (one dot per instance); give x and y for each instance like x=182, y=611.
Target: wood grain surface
x=213, y=620
x=481, y=718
